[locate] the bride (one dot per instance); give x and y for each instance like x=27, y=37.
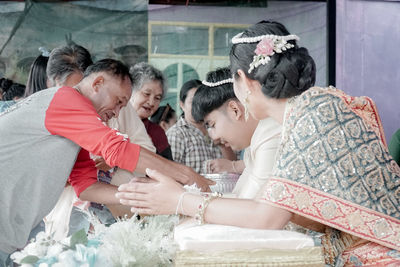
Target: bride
x=332, y=174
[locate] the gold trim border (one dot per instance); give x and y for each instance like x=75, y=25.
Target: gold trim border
x=367, y=220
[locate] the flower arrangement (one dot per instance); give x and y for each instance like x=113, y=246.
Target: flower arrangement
x=128, y=242
x=266, y=48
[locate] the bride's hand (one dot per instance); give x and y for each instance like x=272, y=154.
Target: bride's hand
x=157, y=196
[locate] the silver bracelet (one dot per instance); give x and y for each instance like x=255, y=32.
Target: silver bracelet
x=180, y=203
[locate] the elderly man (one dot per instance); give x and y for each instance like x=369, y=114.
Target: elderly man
x=41, y=141
x=65, y=68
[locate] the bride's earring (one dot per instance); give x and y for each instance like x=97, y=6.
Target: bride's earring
x=246, y=106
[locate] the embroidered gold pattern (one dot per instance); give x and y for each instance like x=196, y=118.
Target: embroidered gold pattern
x=278, y=192
x=337, y=213
x=302, y=200
x=329, y=210
x=335, y=243
x=354, y=220
x=370, y=254
x=382, y=228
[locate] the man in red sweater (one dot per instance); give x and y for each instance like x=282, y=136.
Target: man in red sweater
x=46, y=132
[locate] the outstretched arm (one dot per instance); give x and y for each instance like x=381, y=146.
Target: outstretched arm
x=161, y=196
x=100, y=192
x=180, y=172
x=105, y=194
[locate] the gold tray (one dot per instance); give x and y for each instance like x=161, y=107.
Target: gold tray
x=264, y=257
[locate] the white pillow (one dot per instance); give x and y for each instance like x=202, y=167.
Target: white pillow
x=213, y=237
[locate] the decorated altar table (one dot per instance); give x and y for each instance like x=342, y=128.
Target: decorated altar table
x=161, y=241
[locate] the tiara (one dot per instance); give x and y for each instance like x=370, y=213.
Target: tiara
x=267, y=46
x=211, y=84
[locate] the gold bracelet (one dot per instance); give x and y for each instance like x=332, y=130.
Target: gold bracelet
x=203, y=206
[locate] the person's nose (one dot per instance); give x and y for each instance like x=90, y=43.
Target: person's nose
x=152, y=101
x=213, y=135
x=116, y=111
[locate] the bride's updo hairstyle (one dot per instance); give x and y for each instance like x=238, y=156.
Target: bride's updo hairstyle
x=286, y=74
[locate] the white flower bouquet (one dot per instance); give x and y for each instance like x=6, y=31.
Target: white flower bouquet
x=128, y=242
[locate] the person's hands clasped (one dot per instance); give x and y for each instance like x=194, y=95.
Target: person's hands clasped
x=101, y=164
x=158, y=195
x=220, y=165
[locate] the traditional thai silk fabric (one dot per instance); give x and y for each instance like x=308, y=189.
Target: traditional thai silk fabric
x=370, y=254
x=333, y=167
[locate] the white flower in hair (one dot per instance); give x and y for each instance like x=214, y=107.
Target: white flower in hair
x=44, y=51
x=267, y=46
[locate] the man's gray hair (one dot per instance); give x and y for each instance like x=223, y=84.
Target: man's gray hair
x=65, y=60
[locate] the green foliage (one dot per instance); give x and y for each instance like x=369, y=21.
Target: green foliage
x=29, y=260
x=79, y=237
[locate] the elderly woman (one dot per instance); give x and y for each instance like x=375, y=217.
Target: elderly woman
x=149, y=88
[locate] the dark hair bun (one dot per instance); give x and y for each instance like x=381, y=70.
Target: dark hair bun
x=287, y=74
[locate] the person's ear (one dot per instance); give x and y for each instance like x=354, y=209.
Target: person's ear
x=241, y=76
x=97, y=83
x=181, y=104
x=48, y=83
x=235, y=110
x=248, y=83
x=57, y=82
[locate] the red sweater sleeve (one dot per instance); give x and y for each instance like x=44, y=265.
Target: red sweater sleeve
x=84, y=173
x=73, y=116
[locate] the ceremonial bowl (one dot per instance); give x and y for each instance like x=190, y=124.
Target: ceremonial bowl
x=225, y=182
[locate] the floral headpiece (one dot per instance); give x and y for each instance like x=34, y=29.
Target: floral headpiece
x=267, y=46
x=211, y=84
